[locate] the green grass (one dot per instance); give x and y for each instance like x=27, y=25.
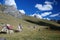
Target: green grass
x=30, y=33
x=33, y=35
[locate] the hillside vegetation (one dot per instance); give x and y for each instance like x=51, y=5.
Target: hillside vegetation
x=45, y=30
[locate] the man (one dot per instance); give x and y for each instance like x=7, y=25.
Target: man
x=20, y=28
x=10, y=29
x=4, y=28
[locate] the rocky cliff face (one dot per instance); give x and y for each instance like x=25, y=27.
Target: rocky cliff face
x=10, y=10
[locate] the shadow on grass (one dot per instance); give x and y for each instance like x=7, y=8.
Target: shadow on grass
x=3, y=33
x=41, y=23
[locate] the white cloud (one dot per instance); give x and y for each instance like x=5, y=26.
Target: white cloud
x=22, y=11
x=54, y=15
x=45, y=7
x=47, y=18
x=47, y=2
x=10, y=3
x=46, y=14
x=36, y=15
x=41, y=16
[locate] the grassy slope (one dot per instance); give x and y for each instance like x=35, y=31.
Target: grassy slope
x=29, y=33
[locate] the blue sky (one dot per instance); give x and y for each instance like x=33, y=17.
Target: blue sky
x=29, y=6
